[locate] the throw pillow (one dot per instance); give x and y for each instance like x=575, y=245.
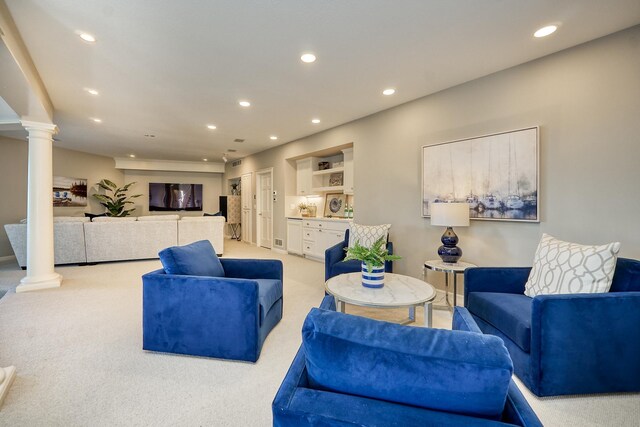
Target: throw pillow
x=367, y=235
x=569, y=268
x=219, y=213
x=195, y=259
x=91, y=216
x=439, y=369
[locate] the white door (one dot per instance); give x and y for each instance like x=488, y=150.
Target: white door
x=265, y=208
x=247, y=207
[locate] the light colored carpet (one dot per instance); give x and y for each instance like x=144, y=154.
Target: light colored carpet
x=78, y=353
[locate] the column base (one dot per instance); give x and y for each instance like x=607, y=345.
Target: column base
x=7, y=375
x=48, y=281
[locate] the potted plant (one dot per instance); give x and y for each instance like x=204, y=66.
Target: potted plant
x=372, y=260
x=115, y=203
x=304, y=209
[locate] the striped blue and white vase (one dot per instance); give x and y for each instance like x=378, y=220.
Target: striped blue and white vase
x=375, y=279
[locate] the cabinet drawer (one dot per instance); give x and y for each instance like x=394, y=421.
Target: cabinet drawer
x=308, y=234
x=308, y=247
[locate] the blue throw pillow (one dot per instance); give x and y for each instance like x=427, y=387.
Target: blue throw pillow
x=195, y=259
x=452, y=371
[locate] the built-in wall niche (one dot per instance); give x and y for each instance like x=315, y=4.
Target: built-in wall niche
x=327, y=174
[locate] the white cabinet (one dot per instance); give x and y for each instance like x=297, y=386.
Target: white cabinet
x=319, y=235
x=348, y=171
x=294, y=236
x=304, y=176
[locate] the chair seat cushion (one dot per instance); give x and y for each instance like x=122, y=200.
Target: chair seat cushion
x=195, y=259
x=453, y=371
x=269, y=291
x=342, y=267
x=509, y=313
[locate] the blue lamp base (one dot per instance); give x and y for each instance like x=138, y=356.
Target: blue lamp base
x=449, y=252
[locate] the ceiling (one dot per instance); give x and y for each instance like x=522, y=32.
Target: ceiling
x=169, y=68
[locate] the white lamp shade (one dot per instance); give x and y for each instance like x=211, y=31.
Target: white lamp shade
x=450, y=214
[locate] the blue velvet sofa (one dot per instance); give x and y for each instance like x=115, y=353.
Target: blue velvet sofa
x=348, y=373
x=563, y=344
x=225, y=317
x=335, y=265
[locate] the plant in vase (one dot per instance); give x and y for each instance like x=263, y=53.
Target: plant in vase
x=116, y=203
x=372, y=260
x=304, y=209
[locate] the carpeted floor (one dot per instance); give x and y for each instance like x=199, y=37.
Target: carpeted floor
x=79, y=360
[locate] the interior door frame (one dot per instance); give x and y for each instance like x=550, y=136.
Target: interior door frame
x=266, y=171
x=248, y=228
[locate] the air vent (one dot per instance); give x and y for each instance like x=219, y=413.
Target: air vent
x=236, y=163
x=278, y=243
x=238, y=140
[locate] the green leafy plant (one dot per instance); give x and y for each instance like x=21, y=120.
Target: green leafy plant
x=116, y=202
x=375, y=256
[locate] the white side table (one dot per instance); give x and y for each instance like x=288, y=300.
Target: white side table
x=449, y=269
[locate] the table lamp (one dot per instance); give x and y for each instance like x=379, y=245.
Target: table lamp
x=450, y=215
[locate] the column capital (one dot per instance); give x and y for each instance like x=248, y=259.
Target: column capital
x=41, y=126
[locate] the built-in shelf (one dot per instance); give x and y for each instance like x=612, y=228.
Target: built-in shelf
x=328, y=171
x=328, y=189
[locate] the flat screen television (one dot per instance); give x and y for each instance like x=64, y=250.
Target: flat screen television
x=175, y=197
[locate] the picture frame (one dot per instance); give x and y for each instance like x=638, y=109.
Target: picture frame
x=334, y=204
x=497, y=174
x=69, y=192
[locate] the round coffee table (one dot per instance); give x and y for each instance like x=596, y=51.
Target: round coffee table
x=398, y=291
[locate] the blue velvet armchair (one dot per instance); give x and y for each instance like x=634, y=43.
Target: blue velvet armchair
x=348, y=373
x=335, y=265
x=224, y=317
x=563, y=344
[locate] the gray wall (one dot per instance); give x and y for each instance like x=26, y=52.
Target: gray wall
x=586, y=101
x=13, y=185
x=212, y=188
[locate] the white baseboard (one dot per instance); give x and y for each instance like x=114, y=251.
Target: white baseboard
x=280, y=251
x=7, y=258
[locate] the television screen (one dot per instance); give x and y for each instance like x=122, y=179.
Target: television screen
x=175, y=197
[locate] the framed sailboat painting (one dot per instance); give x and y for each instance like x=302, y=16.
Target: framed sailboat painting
x=497, y=175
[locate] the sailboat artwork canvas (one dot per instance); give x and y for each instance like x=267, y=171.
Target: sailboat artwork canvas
x=69, y=192
x=497, y=175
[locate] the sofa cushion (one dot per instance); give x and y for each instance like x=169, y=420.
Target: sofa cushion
x=451, y=371
x=159, y=218
x=569, y=268
x=269, y=291
x=509, y=313
x=343, y=267
x=195, y=259
x=115, y=219
x=70, y=219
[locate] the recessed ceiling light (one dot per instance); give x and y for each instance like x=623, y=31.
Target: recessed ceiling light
x=244, y=103
x=273, y=137
x=315, y=121
x=205, y=160
x=87, y=37
x=308, y=58
x=92, y=91
x=212, y=127
x=389, y=91
x=545, y=31
x=97, y=120
x=149, y=135
x=132, y=155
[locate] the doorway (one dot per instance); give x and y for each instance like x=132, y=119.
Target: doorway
x=246, y=199
x=264, y=202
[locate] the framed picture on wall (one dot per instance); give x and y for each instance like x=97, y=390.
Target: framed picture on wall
x=334, y=204
x=497, y=174
x=69, y=192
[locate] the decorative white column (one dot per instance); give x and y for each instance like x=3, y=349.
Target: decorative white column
x=40, y=273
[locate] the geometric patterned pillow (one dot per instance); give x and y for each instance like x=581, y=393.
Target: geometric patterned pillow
x=367, y=235
x=569, y=268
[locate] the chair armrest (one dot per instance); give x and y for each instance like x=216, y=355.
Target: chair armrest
x=589, y=341
x=332, y=256
x=252, y=268
x=508, y=280
x=388, y=265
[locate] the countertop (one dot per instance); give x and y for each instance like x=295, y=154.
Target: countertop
x=319, y=218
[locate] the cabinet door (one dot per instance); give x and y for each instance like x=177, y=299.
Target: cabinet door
x=303, y=177
x=327, y=238
x=348, y=171
x=294, y=237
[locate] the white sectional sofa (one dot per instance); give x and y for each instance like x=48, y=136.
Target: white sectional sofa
x=78, y=241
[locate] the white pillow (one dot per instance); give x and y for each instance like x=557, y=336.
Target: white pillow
x=367, y=235
x=569, y=268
